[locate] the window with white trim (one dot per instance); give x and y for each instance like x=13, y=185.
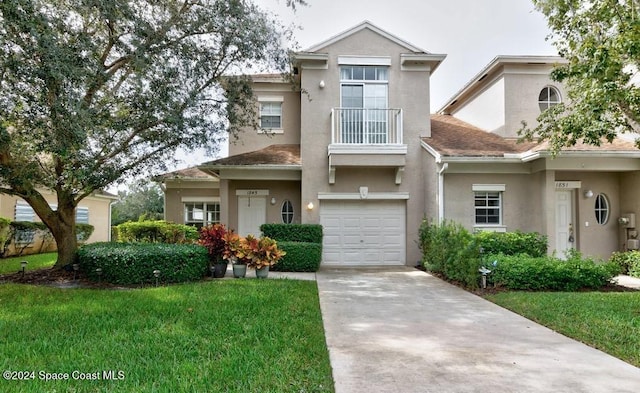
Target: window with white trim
x=287, y=212
x=271, y=115
x=549, y=96
x=200, y=214
x=488, y=204
x=82, y=215
x=602, y=209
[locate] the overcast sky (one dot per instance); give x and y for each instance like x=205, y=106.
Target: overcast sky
x=470, y=32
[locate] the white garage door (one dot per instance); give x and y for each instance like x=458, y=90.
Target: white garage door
x=363, y=233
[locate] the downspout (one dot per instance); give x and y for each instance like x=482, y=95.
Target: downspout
x=443, y=168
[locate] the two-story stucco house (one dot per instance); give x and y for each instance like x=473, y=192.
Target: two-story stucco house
x=359, y=152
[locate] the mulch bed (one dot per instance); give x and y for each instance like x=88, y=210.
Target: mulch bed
x=52, y=277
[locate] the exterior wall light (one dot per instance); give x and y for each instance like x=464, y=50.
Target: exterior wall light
x=273, y=201
x=588, y=194
x=321, y=84
x=310, y=206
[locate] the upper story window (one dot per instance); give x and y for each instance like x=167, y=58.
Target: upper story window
x=602, y=209
x=364, y=73
x=271, y=115
x=549, y=96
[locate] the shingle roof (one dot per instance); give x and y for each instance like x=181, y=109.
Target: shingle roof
x=454, y=137
x=187, y=173
x=271, y=155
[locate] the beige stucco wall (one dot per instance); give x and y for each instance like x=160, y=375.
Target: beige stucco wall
x=408, y=90
x=529, y=205
x=99, y=213
x=252, y=140
x=280, y=190
x=176, y=190
x=594, y=239
x=523, y=84
x=520, y=212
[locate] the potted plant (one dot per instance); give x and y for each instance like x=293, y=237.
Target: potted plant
x=236, y=251
x=263, y=253
x=213, y=238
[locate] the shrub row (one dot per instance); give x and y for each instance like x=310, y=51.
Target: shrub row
x=450, y=250
x=539, y=273
x=629, y=262
x=299, y=257
x=308, y=233
x=512, y=243
x=134, y=263
x=156, y=232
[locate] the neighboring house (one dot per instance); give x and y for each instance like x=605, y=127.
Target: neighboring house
x=94, y=210
x=353, y=147
x=482, y=178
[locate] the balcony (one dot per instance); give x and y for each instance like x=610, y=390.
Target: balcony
x=362, y=126
x=362, y=137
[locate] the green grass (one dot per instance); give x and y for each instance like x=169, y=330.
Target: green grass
x=608, y=321
x=36, y=261
x=216, y=336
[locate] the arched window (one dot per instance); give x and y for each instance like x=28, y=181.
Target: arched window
x=602, y=209
x=287, y=212
x=549, y=96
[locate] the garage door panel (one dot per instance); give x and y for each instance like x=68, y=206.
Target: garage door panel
x=363, y=232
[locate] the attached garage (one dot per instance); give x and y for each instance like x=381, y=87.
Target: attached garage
x=363, y=232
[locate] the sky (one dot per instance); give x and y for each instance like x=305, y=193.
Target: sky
x=470, y=32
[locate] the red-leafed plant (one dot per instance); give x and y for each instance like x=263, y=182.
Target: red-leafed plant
x=212, y=237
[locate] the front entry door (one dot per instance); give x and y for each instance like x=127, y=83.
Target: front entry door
x=252, y=212
x=565, y=228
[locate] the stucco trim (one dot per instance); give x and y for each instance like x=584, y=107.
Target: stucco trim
x=358, y=196
x=365, y=60
x=199, y=199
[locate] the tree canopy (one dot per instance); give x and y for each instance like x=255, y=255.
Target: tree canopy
x=600, y=39
x=92, y=91
x=142, y=200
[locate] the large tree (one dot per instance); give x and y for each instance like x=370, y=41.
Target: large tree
x=600, y=39
x=92, y=91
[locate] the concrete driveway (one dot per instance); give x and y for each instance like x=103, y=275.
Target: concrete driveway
x=403, y=330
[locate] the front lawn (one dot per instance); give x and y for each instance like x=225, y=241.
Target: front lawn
x=608, y=321
x=216, y=336
x=36, y=261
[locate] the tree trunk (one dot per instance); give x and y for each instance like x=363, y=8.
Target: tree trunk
x=66, y=241
x=61, y=223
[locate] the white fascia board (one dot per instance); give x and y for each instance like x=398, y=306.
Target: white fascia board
x=337, y=148
x=431, y=151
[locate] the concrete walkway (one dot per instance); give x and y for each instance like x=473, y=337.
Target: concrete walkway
x=403, y=330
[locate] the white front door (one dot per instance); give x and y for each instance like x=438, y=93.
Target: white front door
x=565, y=231
x=252, y=212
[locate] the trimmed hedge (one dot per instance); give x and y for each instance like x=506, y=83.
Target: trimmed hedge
x=300, y=257
x=512, y=243
x=156, y=232
x=307, y=233
x=523, y=272
x=134, y=263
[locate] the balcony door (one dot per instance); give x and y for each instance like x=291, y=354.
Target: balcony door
x=364, y=102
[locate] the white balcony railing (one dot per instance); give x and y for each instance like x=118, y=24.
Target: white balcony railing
x=362, y=126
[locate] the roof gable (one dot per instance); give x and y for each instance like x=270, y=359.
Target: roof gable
x=362, y=26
